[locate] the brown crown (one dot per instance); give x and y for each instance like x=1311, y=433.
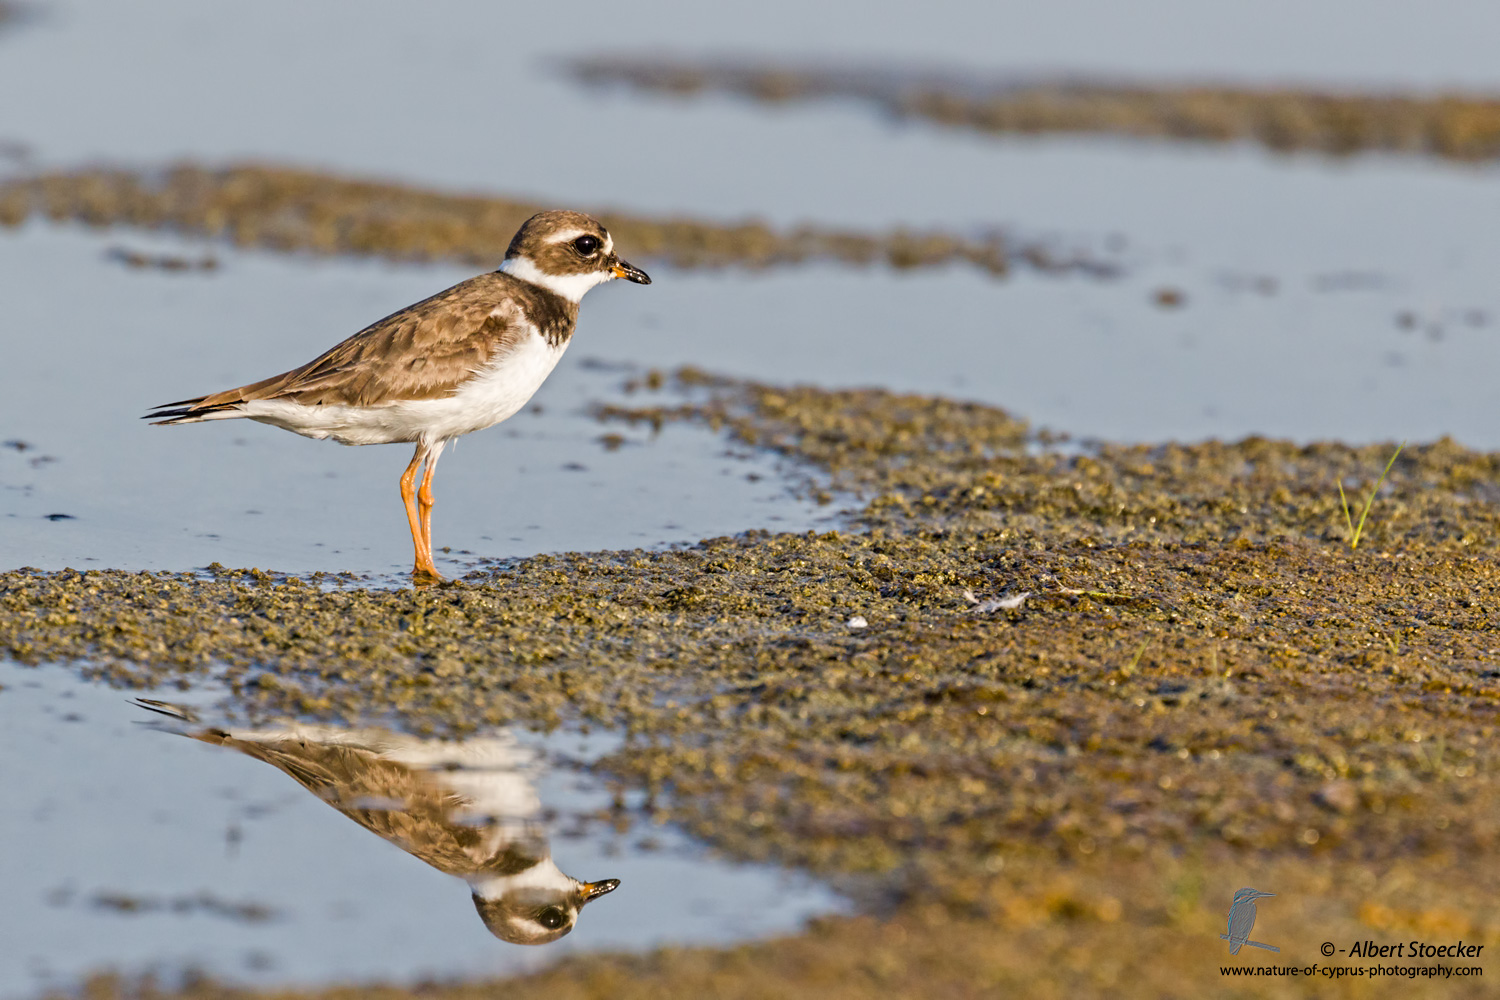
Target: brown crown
x=537, y=241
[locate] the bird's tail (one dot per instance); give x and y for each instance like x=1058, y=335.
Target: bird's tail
x=192, y=411
x=170, y=709
x=184, y=722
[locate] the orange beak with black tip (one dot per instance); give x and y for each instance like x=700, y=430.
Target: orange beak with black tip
x=630, y=273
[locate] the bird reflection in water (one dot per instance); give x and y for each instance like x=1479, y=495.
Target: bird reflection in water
x=464, y=807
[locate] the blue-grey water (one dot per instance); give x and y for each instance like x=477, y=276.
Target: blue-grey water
x=235, y=870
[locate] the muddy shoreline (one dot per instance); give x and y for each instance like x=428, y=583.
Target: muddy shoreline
x=1205, y=685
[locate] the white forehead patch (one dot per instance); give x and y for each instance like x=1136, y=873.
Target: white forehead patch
x=569, y=235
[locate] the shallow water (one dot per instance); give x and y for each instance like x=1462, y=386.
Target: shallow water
x=460, y=92
x=1324, y=298
x=130, y=847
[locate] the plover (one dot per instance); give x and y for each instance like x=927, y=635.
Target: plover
x=466, y=808
x=460, y=361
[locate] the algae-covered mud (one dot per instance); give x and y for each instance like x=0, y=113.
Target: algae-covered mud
x=300, y=210
x=1051, y=706
x=1458, y=126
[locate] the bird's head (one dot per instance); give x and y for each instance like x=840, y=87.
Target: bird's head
x=1248, y=895
x=567, y=253
x=536, y=906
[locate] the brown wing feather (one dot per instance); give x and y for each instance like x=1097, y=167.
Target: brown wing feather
x=422, y=352
x=410, y=807
x=425, y=351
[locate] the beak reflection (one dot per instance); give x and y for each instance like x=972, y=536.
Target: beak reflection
x=593, y=890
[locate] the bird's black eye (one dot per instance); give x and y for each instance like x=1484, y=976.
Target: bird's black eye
x=586, y=245
x=553, y=917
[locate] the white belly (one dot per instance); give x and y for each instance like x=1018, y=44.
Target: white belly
x=489, y=397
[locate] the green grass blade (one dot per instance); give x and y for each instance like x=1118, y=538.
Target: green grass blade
x=1370, y=500
x=1348, y=518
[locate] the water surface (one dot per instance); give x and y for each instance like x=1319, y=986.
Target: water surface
x=1323, y=298
x=132, y=847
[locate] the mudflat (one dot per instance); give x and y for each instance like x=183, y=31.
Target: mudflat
x=1038, y=710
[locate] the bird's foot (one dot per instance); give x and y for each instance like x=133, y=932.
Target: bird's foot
x=426, y=576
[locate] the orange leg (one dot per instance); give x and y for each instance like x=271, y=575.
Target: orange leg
x=424, y=504
x=424, y=570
